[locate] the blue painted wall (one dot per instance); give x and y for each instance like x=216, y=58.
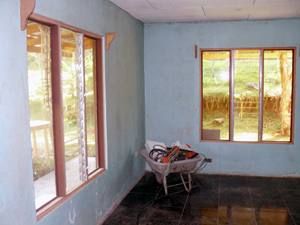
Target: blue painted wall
x=16, y=181
x=125, y=108
x=170, y=96
x=172, y=90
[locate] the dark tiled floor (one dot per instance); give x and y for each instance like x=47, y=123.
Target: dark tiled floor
x=214, y=199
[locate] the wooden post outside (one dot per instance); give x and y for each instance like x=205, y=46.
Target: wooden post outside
x=285, y=103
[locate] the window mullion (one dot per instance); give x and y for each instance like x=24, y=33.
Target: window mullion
x=96, y=117
x=231, y=89
x=261, y=95
x=58, y=131
x=85, y=112
x=100, y=105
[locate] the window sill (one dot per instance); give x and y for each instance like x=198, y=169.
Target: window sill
x=48, y=207
x=250, y=142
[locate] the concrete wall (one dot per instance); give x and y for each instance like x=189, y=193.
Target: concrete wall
x=124, y=106
x=172, y=87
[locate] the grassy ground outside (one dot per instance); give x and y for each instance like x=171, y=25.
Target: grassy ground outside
x=245, y=128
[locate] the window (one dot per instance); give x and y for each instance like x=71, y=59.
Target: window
x=247, y=95
x=66, y=108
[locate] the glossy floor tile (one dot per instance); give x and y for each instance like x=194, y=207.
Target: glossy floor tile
x=214, y=200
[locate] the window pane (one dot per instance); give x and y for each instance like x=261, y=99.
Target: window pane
x=73, y=107
x=277, y=95
x=215, y=101
x=246, y=95
x=40, y=102
x=91, y=108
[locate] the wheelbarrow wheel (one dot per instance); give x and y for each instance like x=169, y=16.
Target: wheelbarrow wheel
x=159, y=177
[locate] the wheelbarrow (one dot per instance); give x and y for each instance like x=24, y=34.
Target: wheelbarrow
x=162, y=170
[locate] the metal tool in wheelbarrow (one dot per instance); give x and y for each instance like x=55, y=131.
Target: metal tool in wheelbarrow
x=163, y=154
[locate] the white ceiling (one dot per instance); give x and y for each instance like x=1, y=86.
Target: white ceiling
x=163, y=11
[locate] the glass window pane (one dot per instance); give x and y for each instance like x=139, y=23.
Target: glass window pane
x=246, y=95
x=215, y=101
x=40, y=102
x=73, y=107
x=91, y=107
x=278, y=67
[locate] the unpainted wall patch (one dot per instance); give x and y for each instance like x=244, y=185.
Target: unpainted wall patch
x=72, y=220
x=109, y=37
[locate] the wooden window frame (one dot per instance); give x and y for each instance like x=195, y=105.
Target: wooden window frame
x=231, y=50
x=58, y=131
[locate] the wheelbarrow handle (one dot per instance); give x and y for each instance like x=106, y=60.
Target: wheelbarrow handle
x=200, y=163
